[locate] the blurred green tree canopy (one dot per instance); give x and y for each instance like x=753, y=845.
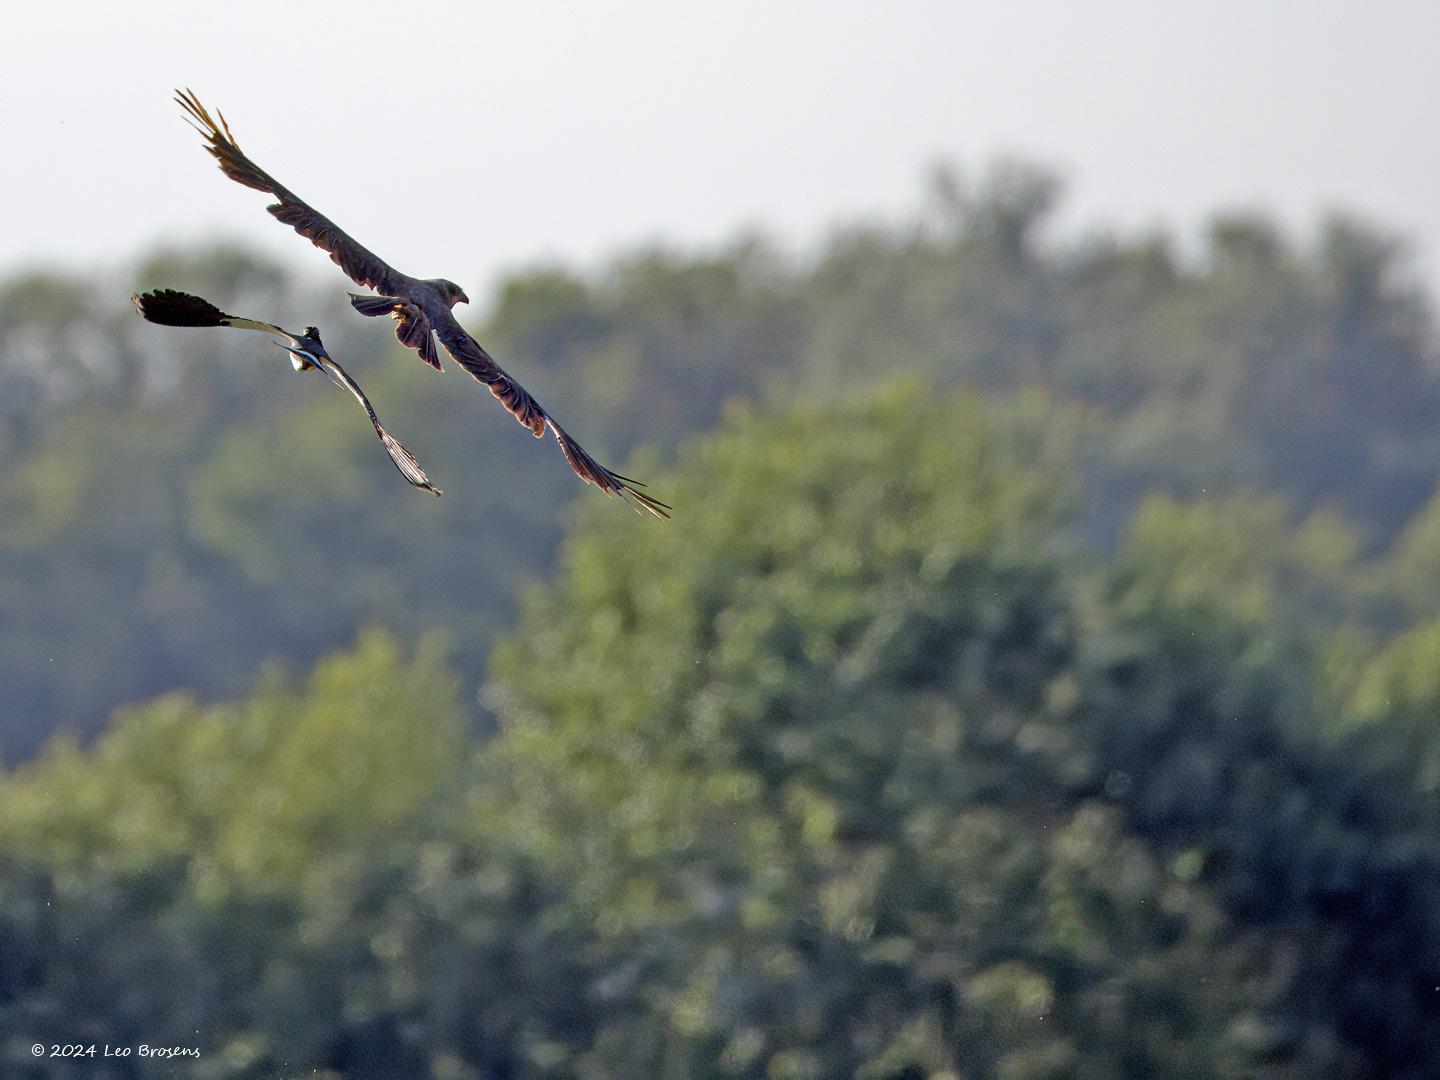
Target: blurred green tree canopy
x=867, y=764
x=168, y=494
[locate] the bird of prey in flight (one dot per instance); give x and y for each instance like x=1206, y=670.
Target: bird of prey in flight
x=419, y=306
x=170, y=308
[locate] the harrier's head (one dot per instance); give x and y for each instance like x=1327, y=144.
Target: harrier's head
x=453, y=293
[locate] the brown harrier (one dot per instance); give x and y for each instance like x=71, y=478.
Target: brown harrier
x=420, y=306
x=170, y=308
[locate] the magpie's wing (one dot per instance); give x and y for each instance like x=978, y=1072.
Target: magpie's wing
x=403, y=459
x=170, y=307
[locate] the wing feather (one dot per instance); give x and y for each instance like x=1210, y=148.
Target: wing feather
x=360, y=264
x=470, y=355
x=401, y=457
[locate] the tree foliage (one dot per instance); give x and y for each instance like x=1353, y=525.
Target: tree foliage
x=1065, y=708
x=156, y=478
x=921, y=796
x=864, y=767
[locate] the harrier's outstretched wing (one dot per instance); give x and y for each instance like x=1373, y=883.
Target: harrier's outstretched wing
x=469, y=354
x=363, y=266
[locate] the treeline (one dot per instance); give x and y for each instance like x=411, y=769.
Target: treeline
x=866, y=765
x=178, y=511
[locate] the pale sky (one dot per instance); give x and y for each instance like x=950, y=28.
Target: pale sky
x=462, y=139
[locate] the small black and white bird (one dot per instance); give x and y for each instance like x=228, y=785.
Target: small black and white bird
x=168, y=307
